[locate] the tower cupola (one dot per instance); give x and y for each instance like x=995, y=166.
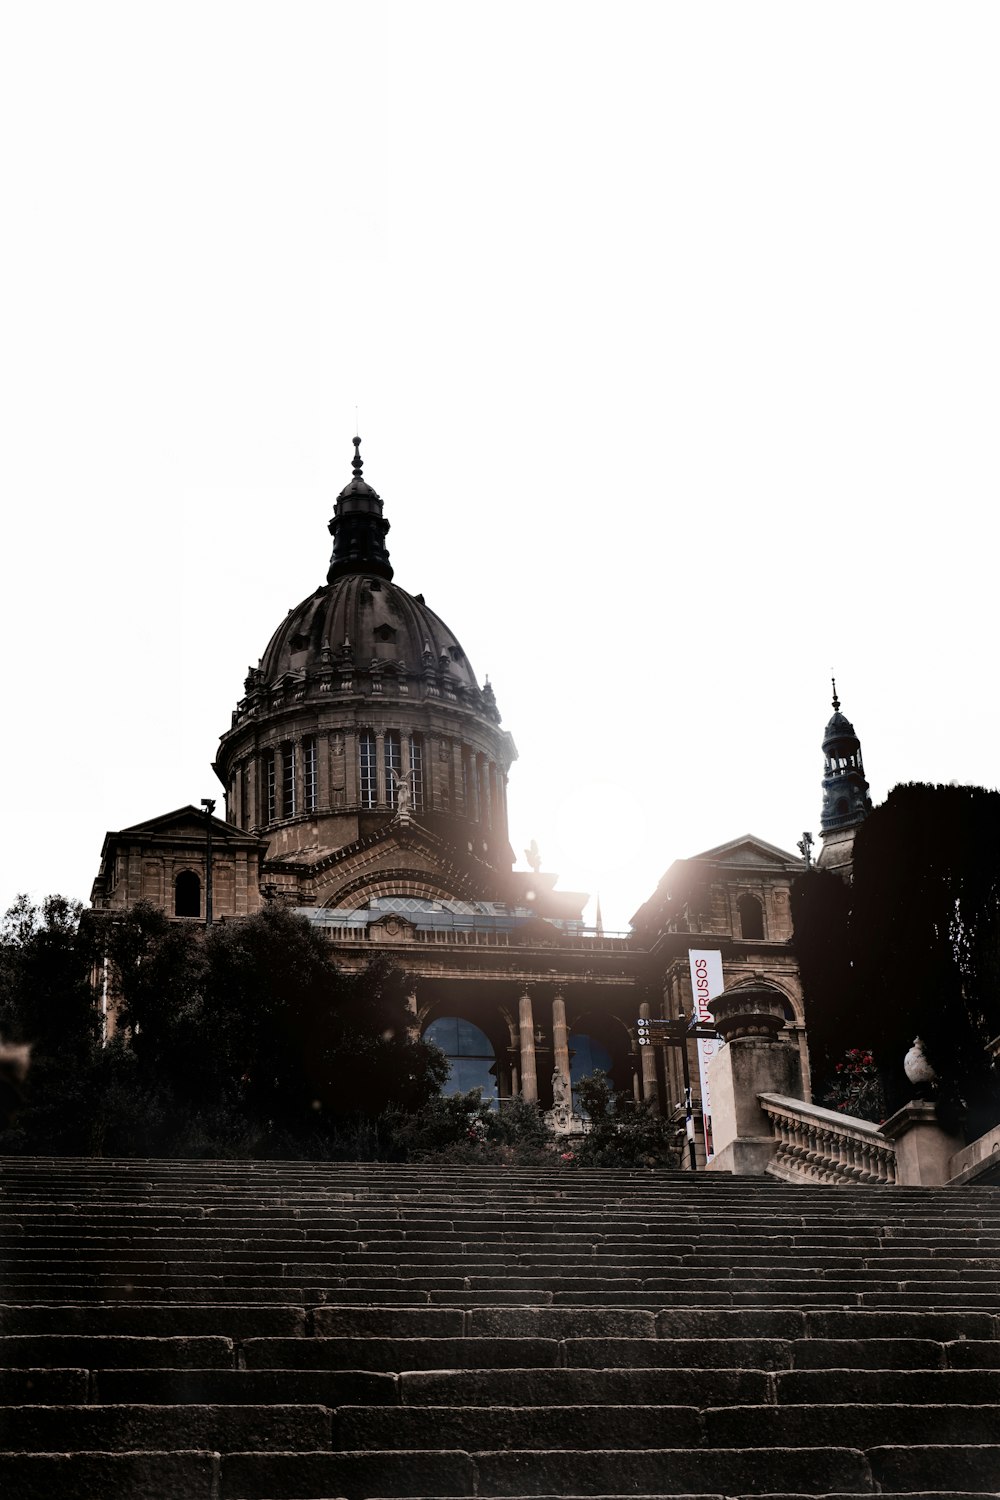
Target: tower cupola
x=846, y=802
x=359, y=528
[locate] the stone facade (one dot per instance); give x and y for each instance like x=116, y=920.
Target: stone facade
x=365, y=775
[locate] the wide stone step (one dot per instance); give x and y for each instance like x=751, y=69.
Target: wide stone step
x=133, y=1427
x=278, y=1330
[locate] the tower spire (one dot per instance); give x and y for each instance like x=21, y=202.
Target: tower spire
x=358, y=527
x=846, y=803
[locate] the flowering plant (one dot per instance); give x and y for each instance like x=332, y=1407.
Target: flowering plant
x=857, y=1087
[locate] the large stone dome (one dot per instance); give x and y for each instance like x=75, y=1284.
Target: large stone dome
x=375, y=626
x=361, y=688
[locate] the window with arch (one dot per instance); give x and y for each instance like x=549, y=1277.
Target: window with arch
x=471, y=1059
x=417, y=773
x=187, y=894
x=470, y=789
x=309, y=774
x=586, y=1056
x=368, y=768
x=270, y=787
x=393, y=756
x=751, y=917
x=289, y=788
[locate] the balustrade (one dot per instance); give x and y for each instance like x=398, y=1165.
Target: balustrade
x=818, y=1145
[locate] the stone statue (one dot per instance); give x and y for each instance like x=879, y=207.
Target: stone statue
x=401, y=787
x=562, y=1097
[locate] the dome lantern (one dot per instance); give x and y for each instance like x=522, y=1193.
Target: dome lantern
x=359, y=528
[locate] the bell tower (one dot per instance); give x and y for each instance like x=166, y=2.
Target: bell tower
x=846, y=802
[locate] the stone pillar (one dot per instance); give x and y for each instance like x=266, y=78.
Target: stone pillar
x=647, y=1058
x=384, y=792
x=750, y=1018
x=323, y=798
x=923, y=1149
x=560, y=1040
x=526, y=1027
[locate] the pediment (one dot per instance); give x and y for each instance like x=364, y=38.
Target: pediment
x=749, y=852
x=184, y=823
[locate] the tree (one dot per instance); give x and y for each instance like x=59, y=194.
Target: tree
x=47, y=1001
x=922, y=948
x=254, y=1017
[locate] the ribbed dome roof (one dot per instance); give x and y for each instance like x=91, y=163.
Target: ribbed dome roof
x=363, y=619
x=839, y=728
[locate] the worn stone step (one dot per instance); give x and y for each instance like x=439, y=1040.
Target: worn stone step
x=150, y=1475
x=923, y=1387
x=111, y=1351
x=221, y=1428
x=314, y=1387
x=46, y=1386
x=367, y=1428
x=372, y=1352
x=533, y=1472
x=658, y=1387
x=162, y=1319
x=868, y=1425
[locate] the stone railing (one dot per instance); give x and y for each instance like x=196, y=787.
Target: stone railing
x=820, y=1145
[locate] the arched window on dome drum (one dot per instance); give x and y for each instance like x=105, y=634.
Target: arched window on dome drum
x=472, y=1061
x=751, y=917
x=270, y=787
x=368, y=768
x=393, y=757
x=289, y=786
x=309, y=775
x=417, y=773
x=187, y=894
x=470, y=798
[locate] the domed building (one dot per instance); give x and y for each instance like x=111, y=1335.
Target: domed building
x=365, y=774
x=364, y=749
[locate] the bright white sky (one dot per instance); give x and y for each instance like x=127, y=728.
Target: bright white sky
x=673, y=333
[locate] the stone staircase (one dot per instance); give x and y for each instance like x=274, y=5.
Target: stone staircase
x=252, y=1331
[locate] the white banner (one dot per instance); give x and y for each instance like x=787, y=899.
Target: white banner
x=706, y=983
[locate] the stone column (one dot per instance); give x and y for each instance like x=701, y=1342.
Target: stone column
x=413, y=1025
x=560, y=1039
x=755, y=1060
x=384, y=792
x=323, y=798
x=526, y=1028
x=647, y=1057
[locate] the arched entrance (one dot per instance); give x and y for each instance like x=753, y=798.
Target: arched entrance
x=470, y=1055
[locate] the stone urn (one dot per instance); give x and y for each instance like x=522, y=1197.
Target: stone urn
x=754, y=1008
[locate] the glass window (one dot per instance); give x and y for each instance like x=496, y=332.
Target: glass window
x=289, y=790
x=309, y=775
x=393, y=763
x=417, y=773
x=270, y=787
x=469, y=1053
x=366, y=762
x=586, y=1056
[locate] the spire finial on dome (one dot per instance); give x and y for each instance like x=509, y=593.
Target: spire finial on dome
x=836, y=700
x=358, y=527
